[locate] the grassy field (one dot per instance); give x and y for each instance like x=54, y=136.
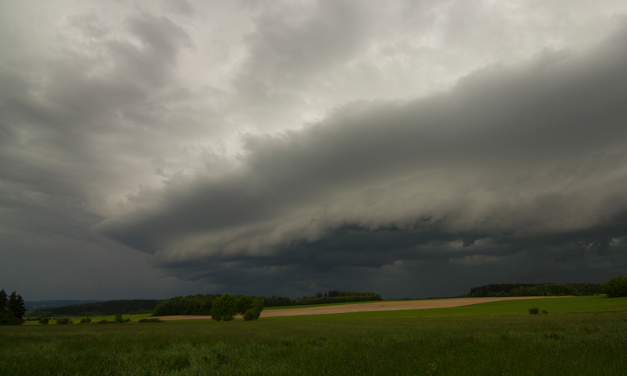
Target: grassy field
x=581, y=336
x=560, y=305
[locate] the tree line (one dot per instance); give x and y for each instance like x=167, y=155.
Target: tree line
x=106, y=308
x=12, y=308
x=203, y=304
x=220, y=307
x=188, y=305
x=536, y=289
x=332, y=296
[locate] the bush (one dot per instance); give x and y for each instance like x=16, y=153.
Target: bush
x=142, y=321
x=8, y=318
x=533, y=311
x=103, y=321
x=44, y=320
x=224, y=308
x=118, y=318
x=545, y=312
x=64, y=321
x=616, y=287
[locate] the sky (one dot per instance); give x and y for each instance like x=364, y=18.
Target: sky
x=150, y=149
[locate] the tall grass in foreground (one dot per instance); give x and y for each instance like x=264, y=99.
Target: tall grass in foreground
x=569, y=344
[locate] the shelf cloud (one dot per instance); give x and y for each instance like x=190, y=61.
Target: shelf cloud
x=507, y=161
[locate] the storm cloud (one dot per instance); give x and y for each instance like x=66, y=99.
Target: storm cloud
x=517, y=158
x=413, y=150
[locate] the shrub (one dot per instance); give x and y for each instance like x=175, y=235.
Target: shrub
x=64, y=321
x=8, y=318
x=533, y=311
x=143, y=321
x=103, y=321
x=44, y=320
x=224, y=308
x=616, y=287
x=118, y=318
x=545, y=312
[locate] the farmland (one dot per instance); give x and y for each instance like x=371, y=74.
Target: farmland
x=579, y=336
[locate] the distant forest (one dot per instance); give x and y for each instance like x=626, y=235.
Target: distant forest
x=536, y=289
x=45, y=304
x=189, y=305
x=333, y=296
x=111, y=307
x=202, y=304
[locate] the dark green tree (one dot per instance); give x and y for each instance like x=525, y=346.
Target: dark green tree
x=16, y=305
x=224, y=308
x=616, y=287
x=3, y=300
x=244, y=303
x=20, y=307
x=254, y=312
x=257, y=308
x=12, y=303
x=12, y=309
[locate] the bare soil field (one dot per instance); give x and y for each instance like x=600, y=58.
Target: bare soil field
x=369, y=307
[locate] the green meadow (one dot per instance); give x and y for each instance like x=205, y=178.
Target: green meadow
x=579, y=336
x=561, y=305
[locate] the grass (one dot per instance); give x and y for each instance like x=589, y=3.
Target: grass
x=581, y=304
x=581, y=336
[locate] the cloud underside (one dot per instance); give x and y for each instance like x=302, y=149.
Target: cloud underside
x=524, y=163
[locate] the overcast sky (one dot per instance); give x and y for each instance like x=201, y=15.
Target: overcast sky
x=413, y=148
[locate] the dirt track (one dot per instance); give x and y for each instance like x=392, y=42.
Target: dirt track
x=367, y=307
